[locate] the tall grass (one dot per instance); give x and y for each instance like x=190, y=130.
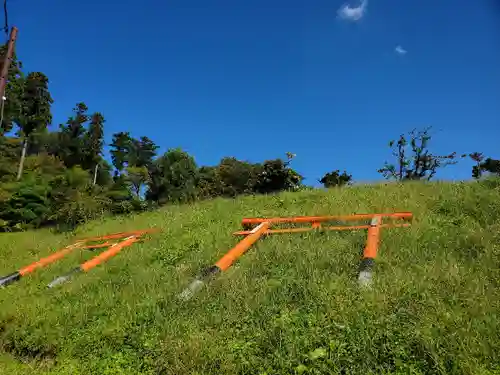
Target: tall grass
x=291, y=305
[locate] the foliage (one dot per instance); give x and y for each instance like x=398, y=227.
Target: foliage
x=138, y=177
x=275, y=176
x=237, y=177
x=335, y=178
x=26, y=207
x=74, y=201
x=71, y=143
x=414, y=161
x=173, y=178
x=35, y=110
x=488, y=165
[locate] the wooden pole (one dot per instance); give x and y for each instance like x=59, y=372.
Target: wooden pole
x=7, y=59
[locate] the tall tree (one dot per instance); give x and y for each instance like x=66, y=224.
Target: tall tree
x=72, y=137
x=414, y=161
x=121, y=146
x=94, y=141
x=142, y=153
x=35, y=110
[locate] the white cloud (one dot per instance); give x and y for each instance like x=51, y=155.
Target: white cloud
x=400, y=50
x=353, y=13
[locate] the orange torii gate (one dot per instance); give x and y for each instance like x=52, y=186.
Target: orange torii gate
x=122, y=240
x=316, y=223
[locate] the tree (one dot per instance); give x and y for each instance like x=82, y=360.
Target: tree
x=121, y=146
x=492, y=166
x=209, y=183
x=237, y=177
x=414, y=161
x=138, y=177
x=488, y=165
x=72, y=148
x=94, y=140
x=334, y=178
x=173, y=178
x=276, y=175
x=128, y=151
x=142, y=153
x=35, y=110
x=476, y=169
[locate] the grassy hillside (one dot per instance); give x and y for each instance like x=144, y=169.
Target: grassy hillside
x=290, y=305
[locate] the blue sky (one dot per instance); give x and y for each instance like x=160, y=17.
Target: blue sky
x=255, y=79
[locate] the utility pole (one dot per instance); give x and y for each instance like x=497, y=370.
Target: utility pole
x=7, y=59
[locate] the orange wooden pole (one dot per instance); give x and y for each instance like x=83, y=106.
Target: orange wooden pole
x=95, y=261
x=50, y=259
x=105, y=255
x=230, y=257
x=16, y=276
x=114, y=236
x=80, y=244
x=308, y=229
x=311, y=219
x=225, y=262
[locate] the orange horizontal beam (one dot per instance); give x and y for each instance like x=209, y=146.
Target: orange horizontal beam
x=312, y=219
x=119, y=235
x=308, y=229
x=97, y=246
x=105, y=255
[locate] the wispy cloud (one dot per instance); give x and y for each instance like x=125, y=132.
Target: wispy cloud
x=350, y=13
x=400, y=50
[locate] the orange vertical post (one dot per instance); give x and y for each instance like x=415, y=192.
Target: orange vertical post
x=370, y=252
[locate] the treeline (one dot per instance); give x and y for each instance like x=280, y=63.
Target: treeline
x=62, y=178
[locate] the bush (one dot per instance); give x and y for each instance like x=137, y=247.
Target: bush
x=28, y=205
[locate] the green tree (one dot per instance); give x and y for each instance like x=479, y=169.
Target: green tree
x=478, y=158
x=173, y=178
x=335, y=178
x=94, y=141
x=277, y=175
x=414, y=161
x=121, y=146
x=209, y=182
x=238, y=177
x=138, y=177
x=128, y=151
x=35, y=110
x=487, y=165
x=143, y=152
x=72, y=150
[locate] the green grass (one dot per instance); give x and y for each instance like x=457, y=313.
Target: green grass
x=291, y=305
